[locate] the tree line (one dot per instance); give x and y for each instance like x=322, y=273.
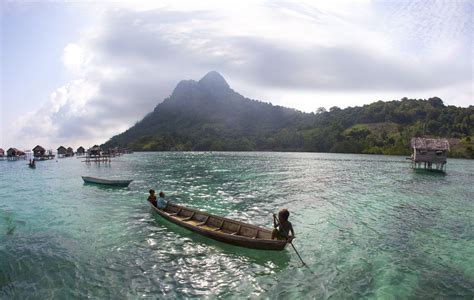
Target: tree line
x=240, y=124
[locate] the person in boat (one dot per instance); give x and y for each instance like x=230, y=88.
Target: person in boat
x=161, y=203
x=283, y=230
x=152, y=197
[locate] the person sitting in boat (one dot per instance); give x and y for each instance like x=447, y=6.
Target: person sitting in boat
x=283, y=228
x=161, y=203
x=152, y=197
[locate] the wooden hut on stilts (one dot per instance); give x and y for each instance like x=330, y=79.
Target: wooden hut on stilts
x=15, y=154
x=62, y=151
x=429, y=154
x=69, y=152
x=96, y=155
x=80, y=151
x=39, y=152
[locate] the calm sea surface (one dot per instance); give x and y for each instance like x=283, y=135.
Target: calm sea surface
x=366, y=226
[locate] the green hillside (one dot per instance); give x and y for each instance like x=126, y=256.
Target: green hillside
x=207, y=115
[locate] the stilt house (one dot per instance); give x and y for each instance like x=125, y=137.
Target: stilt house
x=62, y=151
x=95, y=151
x=69, y=152
x=429, y=154
x=80, y=151
x=38, y=151
x=14, y=153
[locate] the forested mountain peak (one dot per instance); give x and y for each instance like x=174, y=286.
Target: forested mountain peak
x=212, y=85
x=214, y=80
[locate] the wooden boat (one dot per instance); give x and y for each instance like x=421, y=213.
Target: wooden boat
x=95, y=180
x=220, y=228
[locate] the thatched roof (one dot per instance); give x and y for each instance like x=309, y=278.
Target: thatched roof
x=15, y=152
x=429, y=144
x=38, y=148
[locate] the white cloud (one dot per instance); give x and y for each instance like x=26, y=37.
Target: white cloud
x=304, y=55
x=74, y=58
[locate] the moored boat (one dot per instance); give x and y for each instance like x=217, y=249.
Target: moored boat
x=110, y=182
x=220, y=228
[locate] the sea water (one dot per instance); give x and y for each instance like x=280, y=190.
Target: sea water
x=366, y=227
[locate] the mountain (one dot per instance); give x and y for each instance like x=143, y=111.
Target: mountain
x=208, y=115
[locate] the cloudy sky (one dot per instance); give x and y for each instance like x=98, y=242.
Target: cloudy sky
x=77, y=73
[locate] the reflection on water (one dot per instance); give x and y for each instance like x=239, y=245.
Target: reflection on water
x=273, y=260
x=366, y=226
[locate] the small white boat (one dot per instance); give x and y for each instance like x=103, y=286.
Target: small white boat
x=111, y=182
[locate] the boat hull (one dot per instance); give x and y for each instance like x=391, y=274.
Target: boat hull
x=220, y=228
x=93, y=180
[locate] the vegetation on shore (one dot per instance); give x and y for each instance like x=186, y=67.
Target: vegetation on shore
x=209, y=116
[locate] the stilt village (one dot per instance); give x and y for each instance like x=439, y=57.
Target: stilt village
x=428, y=154
x=38, y=153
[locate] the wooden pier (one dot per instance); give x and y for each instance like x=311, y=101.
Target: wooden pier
x=98, y=159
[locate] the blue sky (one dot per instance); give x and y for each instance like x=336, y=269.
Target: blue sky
x=78, y=73
x=33, y=40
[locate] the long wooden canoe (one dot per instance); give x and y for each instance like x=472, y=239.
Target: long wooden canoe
x=220, y=228
x=106, y=181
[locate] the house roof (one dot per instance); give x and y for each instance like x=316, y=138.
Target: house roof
x=38, y=147
x=429, y=144
x=19, y=152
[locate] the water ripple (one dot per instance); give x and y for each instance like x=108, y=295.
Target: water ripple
x=366, y=226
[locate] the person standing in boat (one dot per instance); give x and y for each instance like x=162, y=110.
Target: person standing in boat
x=152, y=197
x=161, y=203
x=283, y=228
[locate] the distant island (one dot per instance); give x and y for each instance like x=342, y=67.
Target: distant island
x=207, y=115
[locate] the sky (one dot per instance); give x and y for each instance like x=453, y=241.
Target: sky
x=77, y=73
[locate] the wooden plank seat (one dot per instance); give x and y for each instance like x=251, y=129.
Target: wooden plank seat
x=256, y=235
x=238, y=230
x=220, y=226
x=203, y=222
x=188, y=218
x=175, y=214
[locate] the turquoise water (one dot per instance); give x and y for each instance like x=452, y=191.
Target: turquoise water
x=366, y=226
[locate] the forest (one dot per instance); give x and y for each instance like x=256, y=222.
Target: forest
x=209, y=116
